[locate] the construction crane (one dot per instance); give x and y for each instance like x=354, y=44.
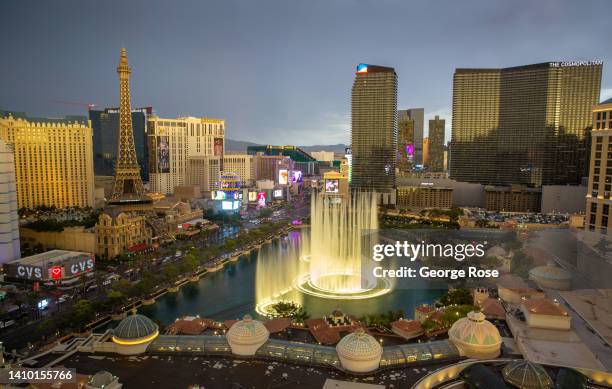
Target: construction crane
x=88, y=105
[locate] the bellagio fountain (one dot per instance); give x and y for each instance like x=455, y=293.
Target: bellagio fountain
x=326, y=262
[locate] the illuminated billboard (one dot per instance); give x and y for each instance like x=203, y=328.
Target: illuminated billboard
x=296, y=176
x=252, y=197
x=348, y=153
x=278, y=193
x=219, y=195
x=261, y=199
x=230, y=205
x=331, y=186
x=218, y=146
x=283, y=177
x=362, y=68
x=409, y=151
x=163, y=154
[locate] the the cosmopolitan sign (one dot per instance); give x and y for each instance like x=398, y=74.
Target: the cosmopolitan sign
x=574, y=63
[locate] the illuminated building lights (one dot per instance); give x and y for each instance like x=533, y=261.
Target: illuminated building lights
x=138, y=341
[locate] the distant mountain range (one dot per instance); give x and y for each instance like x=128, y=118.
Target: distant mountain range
x=239, y=145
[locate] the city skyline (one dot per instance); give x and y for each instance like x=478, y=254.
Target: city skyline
x=266, y=81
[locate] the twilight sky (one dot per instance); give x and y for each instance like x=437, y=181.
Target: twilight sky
x=280, y=71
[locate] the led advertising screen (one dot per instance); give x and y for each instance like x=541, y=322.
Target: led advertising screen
x=252, y=197
x=409, y=151
x=283, y=177
x=278, y=193
x=331, y=186
x=227, y=205
x=163, y=154
x=348, y=153
x=218, y=146
x=296, y=176
x=261, y=199
x=219, y=195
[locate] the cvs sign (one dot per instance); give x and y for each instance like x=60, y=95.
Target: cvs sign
x=29, y=272
x=81, y=266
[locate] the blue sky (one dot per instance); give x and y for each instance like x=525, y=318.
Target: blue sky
x=279, y=71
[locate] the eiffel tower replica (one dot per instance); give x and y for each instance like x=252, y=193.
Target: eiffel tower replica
x=128, y=190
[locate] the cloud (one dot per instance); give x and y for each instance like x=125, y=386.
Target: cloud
x=325, y=128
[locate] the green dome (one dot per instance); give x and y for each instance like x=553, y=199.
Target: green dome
x=135, y=327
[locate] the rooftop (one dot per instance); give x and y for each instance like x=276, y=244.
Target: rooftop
x=407, y=325
x=53, y=256
x=543, y=306
x=134, y=327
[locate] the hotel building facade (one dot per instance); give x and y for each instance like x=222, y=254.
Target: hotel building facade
x=173, y=142
x=9, y=219
x=525, y=125
x=374, y=129
x=241, y=164
x=53, y=161
x=435, y=147
x=105, y=125
x=599, y=194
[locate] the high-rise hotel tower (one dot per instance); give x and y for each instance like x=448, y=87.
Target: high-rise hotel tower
x=53, y=160
x=526, y=125
x=374, y=128
x=599, y=195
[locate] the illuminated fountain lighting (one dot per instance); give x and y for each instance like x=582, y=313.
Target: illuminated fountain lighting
x=327, y=263
x=338, y=233
x=277, y=268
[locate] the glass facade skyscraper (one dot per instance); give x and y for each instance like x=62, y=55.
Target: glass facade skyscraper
x=436, y=144
x=105, y=126
x=417, y=115
x=374, y=128
x=526, y=125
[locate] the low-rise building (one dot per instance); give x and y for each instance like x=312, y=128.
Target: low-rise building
x=70, y=238
x=513, y=289
x=422, y=312
x=424, y=196
x=118, y=231
x=492, y=309
x=323, y=155
x=56, y=266
x=512, y=199
x=187, y=192
x=407, y=329
x=547, y=314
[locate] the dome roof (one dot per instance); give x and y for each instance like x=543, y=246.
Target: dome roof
x=551, y=272
x=135, y=327
x=247, y=331
x=527, y=375
x=101, y=379
x=359, y=346
x=475, y=330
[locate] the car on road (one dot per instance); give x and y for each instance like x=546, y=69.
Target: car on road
x=92, y=287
